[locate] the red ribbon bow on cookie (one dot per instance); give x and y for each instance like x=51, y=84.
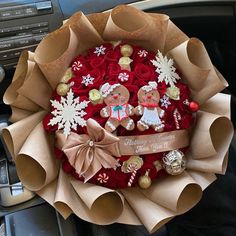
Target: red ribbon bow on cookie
x=88, y=153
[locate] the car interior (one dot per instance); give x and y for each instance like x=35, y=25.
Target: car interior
x=24, y=23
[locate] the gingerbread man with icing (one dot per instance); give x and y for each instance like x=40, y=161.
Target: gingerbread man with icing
x=149, y=109
x=116, y=97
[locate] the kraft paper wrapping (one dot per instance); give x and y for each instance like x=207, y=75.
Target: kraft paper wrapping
x=96, y=198
x=54, y=60
x=138, y=29
x=16, y=134
x=193, y=60
x=33, y=169
x=19, y=114
x=32, y=148
x=37, y=80
x=87, y=35
x=180, y=188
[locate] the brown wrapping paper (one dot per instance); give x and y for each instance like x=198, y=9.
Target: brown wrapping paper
x=34, y=169
x=139, y=28
x=97, y=198
x=13, y=135
x=143, y=207
x=19, y=114
x=174, y=37
x=32, y=149
x=209, y=135
x=197, y=70
x=218, y=104
x=87, y=36
x=49, y=193
x=203, y=179
x=37, y=80
x=184, y=192
x=53, y=61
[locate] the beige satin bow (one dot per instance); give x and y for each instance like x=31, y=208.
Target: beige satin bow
x=88, y=153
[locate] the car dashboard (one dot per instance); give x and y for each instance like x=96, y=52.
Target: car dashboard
x=24, y=23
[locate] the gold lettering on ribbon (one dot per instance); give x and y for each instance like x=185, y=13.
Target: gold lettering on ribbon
x=153, y=143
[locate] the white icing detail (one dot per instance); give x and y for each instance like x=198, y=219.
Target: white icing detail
x=143, y=124
x=87, y=79
x=130, y=109
x=165, y=101
x=104, y=110
x=68, y=113
x=151, y=116
x=100, y=50
x=111, y=125
x=162, y=113
x=129, y=124
x=106, y=89
x=140, y=110
x=152, y=85
x=166, y=70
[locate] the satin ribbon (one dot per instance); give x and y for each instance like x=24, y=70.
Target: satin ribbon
x=89, y=153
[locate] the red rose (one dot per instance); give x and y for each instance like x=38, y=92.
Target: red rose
x=113, y=56
x=144, y=72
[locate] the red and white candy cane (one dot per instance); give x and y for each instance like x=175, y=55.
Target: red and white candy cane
x=177, y=117
x=132, y=168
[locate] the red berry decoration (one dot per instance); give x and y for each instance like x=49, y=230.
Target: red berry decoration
x=193, y=106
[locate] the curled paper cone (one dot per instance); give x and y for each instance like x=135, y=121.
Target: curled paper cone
x=16, y=134
x=139, y=28
x=218, y=104
x=99, y=20
x=192, y=59
x=128, y=215
x=87, y=36
x=49, y=193
x=97, y=197
x=22, y=68
x=53, y=61
x=37, y=75
x=19, y=114
x=143, y=207
x=36, y=165
x=174, y=37
x=210, y=136
x=37, y=80
x=177, y=193
x=203, y=179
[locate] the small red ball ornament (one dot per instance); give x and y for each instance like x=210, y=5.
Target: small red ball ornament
x=193, y=106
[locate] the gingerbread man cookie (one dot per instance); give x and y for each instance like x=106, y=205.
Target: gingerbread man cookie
x=116, y=97
x=149, y=109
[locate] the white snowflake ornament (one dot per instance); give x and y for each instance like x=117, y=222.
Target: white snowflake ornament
x=100, y=50
x=166, y=70
x=68, y=113
x=87, y=80
x=165, y=101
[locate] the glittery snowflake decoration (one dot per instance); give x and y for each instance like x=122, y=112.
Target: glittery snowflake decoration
x=76, y=66
x=166, y=70
x=165, y=101
x=87, y=80
x=142, y=53
x=123, y=76
x=68, y=113
x=100, y=50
